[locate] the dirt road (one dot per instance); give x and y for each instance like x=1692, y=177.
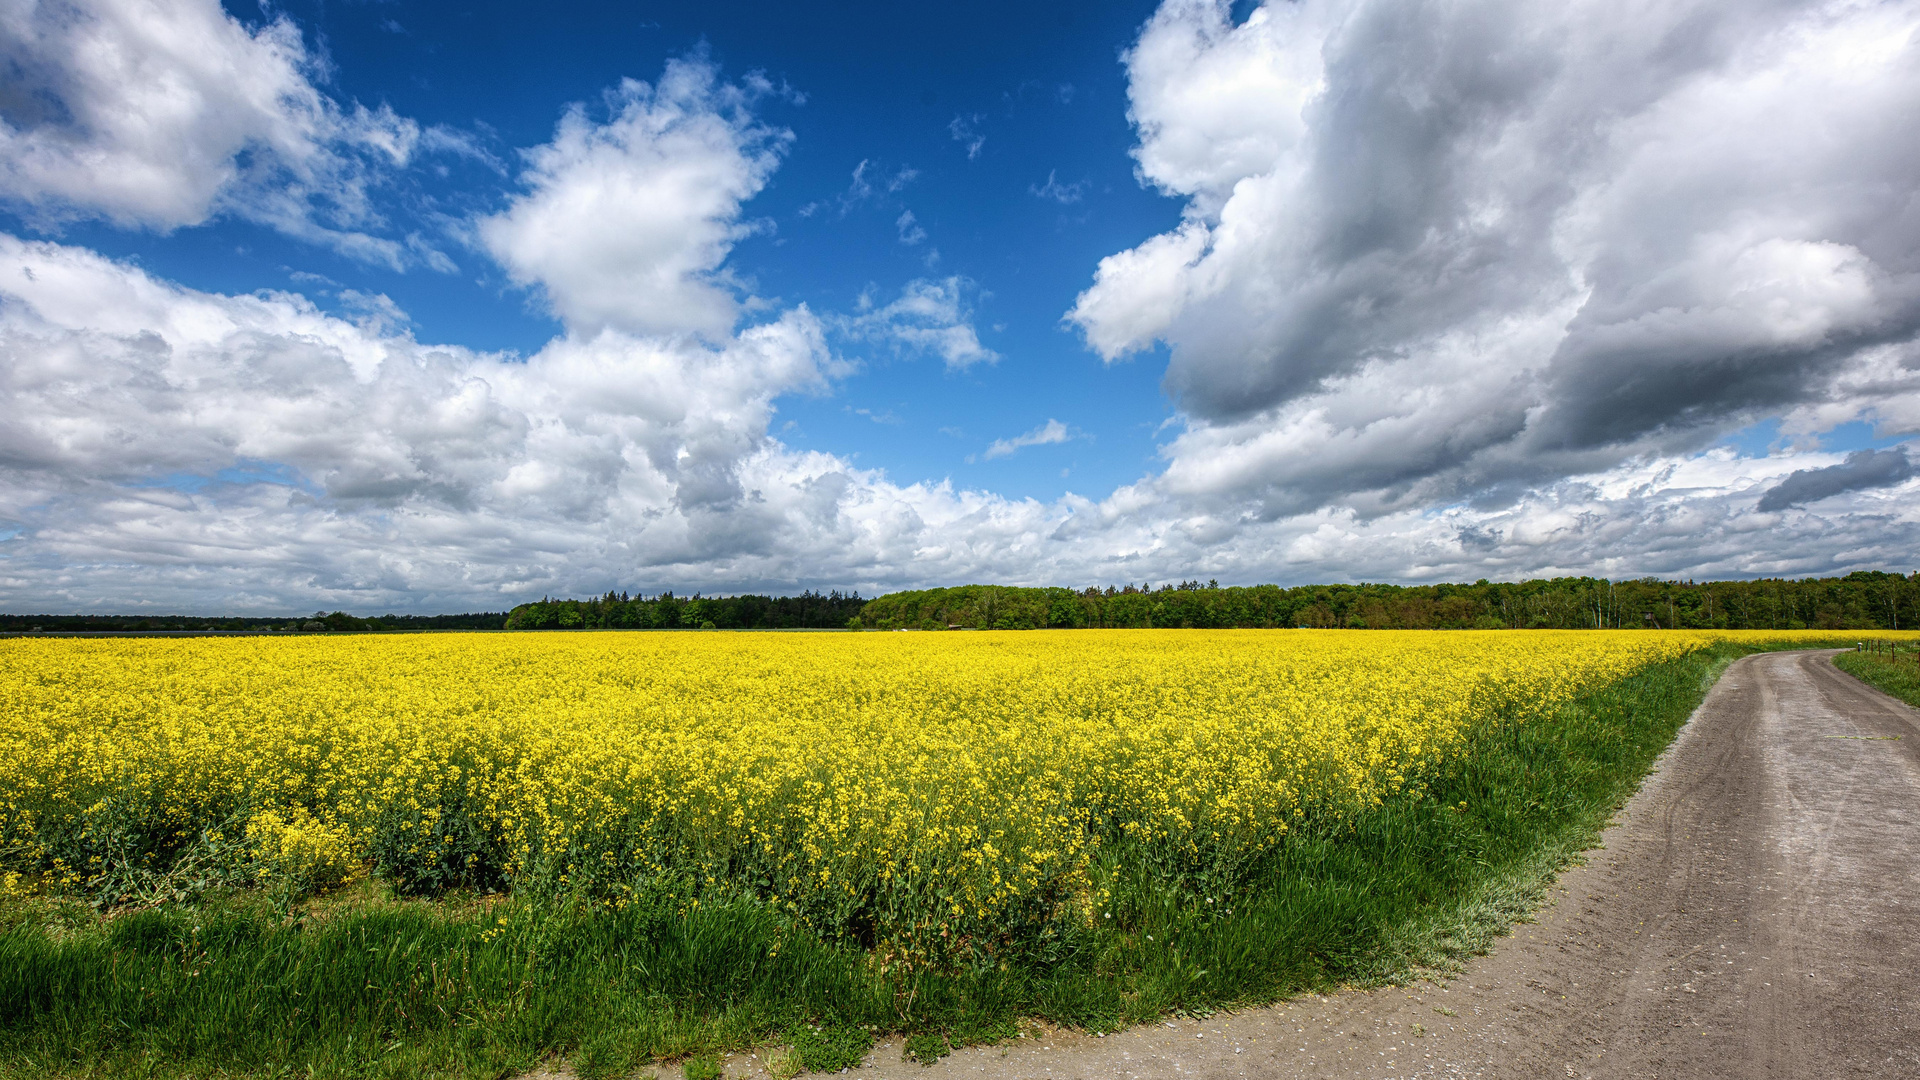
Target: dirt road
x=1755, y=913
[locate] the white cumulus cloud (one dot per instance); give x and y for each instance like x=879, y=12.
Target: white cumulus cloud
x=625, y=223
x=1461, y=290
x=182, y=450
x=1433, y=251
x=162, y=115
x=134, y=404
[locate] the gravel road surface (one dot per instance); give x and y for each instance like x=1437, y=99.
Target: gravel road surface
x=1754, y=913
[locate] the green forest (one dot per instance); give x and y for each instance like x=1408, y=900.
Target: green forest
x=1863, y=600
x=619, y=611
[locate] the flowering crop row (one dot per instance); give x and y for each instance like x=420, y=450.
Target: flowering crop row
x=884, y=787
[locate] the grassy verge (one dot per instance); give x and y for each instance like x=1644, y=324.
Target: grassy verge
x=363, y=985
x=1891, y=671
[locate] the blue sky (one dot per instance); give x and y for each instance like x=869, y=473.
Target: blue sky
x=408, y=306
x=972, y=112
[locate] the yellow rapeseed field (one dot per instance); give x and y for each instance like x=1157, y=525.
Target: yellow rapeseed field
x=889, y=786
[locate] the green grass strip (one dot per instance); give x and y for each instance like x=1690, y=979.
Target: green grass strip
x=1896, y=674
x=367, y=986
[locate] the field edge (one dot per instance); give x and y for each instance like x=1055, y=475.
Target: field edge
x=1102, y=983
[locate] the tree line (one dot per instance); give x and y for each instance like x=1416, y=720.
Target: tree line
x=665, y=611
x=1862, y=600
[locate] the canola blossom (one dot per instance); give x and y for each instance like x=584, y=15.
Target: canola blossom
x=890, y=788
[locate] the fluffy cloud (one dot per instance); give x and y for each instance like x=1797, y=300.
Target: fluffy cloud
x=151, y=427
x=1863, y=469
x=1462, y=291
x=194, y=451
x=161, y=115
x=1047, y=434
x=1439, y=251
x=625, y=223
x=928, y=317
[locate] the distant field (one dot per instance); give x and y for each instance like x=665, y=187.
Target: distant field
x=886, y=788
x=919, y=832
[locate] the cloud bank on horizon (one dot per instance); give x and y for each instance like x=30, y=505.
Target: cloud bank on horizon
x=1458, y=290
